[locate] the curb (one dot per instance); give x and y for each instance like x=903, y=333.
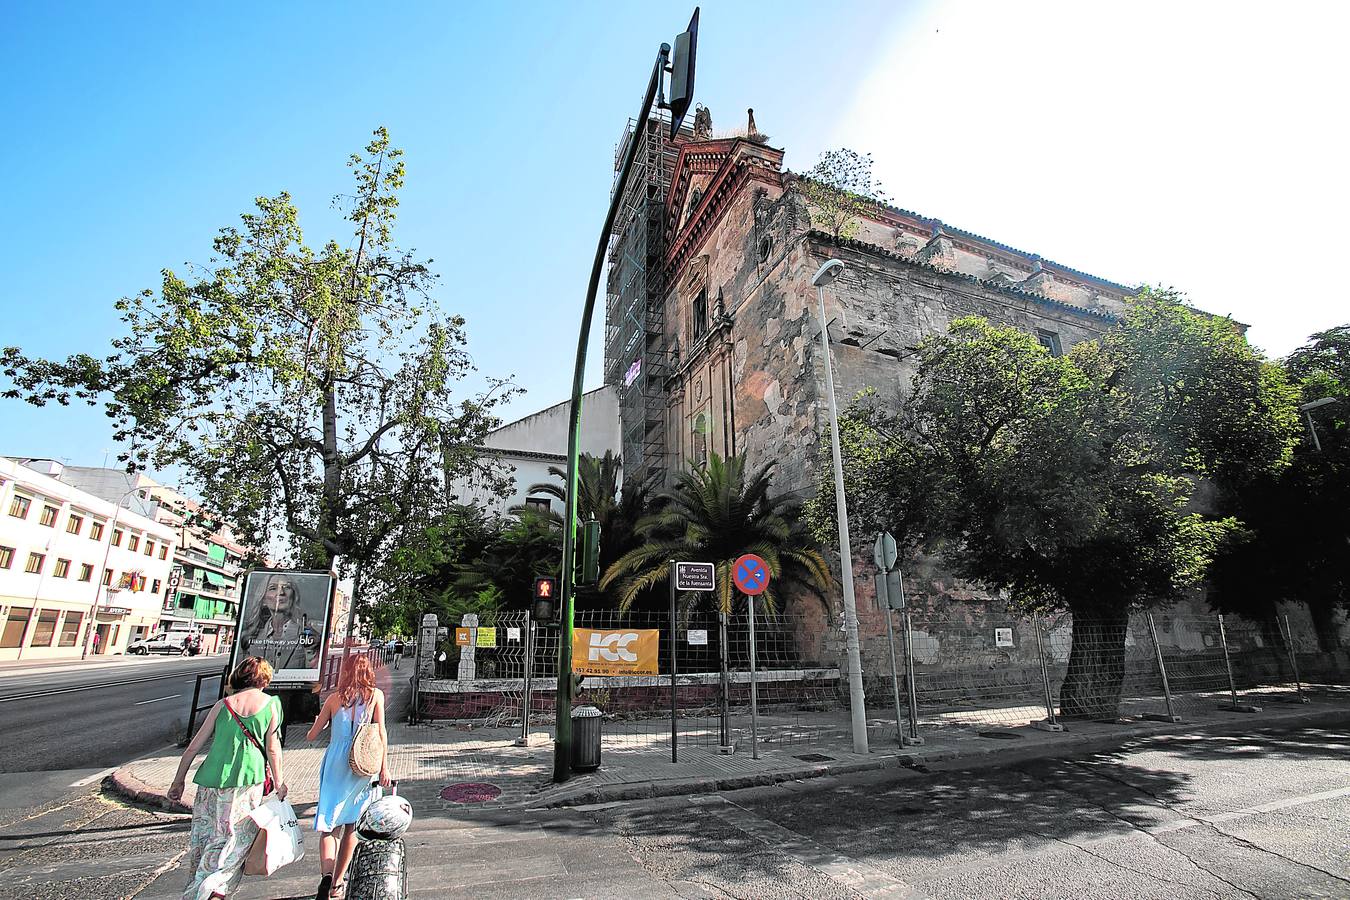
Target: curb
x=127, y=786
x=1070, y=745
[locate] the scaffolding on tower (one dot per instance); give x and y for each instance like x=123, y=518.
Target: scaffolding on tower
x=636, y=353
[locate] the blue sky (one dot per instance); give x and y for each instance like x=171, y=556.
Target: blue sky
x=1138, y=143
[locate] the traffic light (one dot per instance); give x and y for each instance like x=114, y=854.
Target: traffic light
x=590, y=553
x=544, y=607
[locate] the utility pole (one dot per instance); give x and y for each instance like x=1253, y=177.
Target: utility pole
x=682, y=91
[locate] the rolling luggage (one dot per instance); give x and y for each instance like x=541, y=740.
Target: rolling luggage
x=379, y=869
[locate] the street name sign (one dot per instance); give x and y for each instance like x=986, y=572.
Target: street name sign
x=694, y=576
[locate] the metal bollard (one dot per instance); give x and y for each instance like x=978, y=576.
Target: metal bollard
x=1049, y=724
x=1293, y=660
x=1233, y=705
x=1162, y=671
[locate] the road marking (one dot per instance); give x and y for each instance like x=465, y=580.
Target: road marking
x=1194, y=821
x=94, y=687
x=97, y=776
x=156, y=700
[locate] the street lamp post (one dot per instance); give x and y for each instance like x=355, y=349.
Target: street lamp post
x=1306, y=409
x=827, y=274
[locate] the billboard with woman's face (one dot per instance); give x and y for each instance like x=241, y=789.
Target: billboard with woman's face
x=284, y=619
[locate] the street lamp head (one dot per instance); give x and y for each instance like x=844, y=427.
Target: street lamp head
x=828, y=273
x=1317, y=404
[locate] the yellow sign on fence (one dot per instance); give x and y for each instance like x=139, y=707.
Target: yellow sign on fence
x=615, y=652
x=487, y=637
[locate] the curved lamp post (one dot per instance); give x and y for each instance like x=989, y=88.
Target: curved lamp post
x=828, y=274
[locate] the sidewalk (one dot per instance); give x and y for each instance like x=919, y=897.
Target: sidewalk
x=447, y=770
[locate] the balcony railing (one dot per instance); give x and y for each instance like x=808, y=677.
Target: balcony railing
x=195, y=558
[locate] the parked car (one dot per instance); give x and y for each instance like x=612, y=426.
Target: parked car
x=182, y=642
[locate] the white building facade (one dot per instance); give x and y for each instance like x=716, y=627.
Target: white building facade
x=530, y=445
x=74, y=566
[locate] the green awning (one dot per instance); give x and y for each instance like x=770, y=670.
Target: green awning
x=217, y=580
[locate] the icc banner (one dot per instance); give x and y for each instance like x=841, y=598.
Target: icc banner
x=618, y=652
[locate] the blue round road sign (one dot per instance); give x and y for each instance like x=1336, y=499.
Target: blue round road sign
x=751, y=575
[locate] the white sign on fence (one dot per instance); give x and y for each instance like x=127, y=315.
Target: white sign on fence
x=1003, y=637
x=698, y=636
x=513, y=634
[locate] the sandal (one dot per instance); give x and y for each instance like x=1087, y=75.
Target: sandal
x=339, y=890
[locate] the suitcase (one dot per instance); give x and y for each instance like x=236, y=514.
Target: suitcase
x=378, y=871
x=379, y=868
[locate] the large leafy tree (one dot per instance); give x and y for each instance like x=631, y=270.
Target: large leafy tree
x=1295, y=537
x=1072, y=482
x=617, y=510
x=715, y=514
x=305, y=392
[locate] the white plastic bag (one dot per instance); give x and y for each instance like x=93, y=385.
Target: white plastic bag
x=279, y=842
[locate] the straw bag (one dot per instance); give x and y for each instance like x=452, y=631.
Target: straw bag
x=367, y=754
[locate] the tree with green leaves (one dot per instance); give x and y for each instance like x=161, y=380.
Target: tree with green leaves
x=305, y=392
x=1295, y=534
x=839, y=191
x=1074, y=482
x=716, y=514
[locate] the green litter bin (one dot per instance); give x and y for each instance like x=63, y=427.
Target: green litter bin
x=586, y=738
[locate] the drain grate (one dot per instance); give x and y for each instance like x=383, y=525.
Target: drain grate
x=1000, y=735
x=814, y=757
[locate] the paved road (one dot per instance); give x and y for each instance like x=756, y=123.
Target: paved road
x=1191, y=816
x=76, y=716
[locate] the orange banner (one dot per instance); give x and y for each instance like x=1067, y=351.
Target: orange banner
x=615, y=652
x=464, y=637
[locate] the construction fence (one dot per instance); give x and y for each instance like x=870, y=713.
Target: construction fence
x=966, y=668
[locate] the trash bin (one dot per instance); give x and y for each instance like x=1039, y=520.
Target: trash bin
x=586, y=738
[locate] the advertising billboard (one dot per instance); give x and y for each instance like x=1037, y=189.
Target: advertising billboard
x=284, y=618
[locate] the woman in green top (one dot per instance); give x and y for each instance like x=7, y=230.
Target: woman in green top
x=230, y=779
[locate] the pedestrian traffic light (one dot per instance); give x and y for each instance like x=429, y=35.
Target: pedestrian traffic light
x=544, y=607
x=590, y=553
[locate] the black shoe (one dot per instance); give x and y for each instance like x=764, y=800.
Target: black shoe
x=325, y=885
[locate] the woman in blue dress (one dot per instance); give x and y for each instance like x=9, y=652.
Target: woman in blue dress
x=343, y=794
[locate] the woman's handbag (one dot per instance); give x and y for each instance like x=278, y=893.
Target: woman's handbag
x=279, y=841
x=367, y=755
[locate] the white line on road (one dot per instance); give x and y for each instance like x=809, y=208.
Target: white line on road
x=156, y=700
x=1194, y=821
x=97, y=776
x=93, y=687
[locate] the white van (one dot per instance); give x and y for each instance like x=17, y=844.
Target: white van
x=179, y=642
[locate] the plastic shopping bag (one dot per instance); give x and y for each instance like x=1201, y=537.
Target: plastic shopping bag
x=279, y=841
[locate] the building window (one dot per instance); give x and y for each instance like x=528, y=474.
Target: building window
x=70, y=629
x=133, y=542
x=49, y=514
x=6, y=557
x=538, y=504
x=149, y=548
x=35, y=561
x=163, y=551
x=700, y=314
x=62, y=569
x=96, y=531
x=74, y=523
x=86, y=572
x=107, y=577
x=45, y=629
x=18, y=507
x=117, y=537
x=154, y=588
x=15, y=626
x=1050, y=341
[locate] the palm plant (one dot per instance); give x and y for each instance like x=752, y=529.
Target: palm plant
x=716, y=514
x=599, y=497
